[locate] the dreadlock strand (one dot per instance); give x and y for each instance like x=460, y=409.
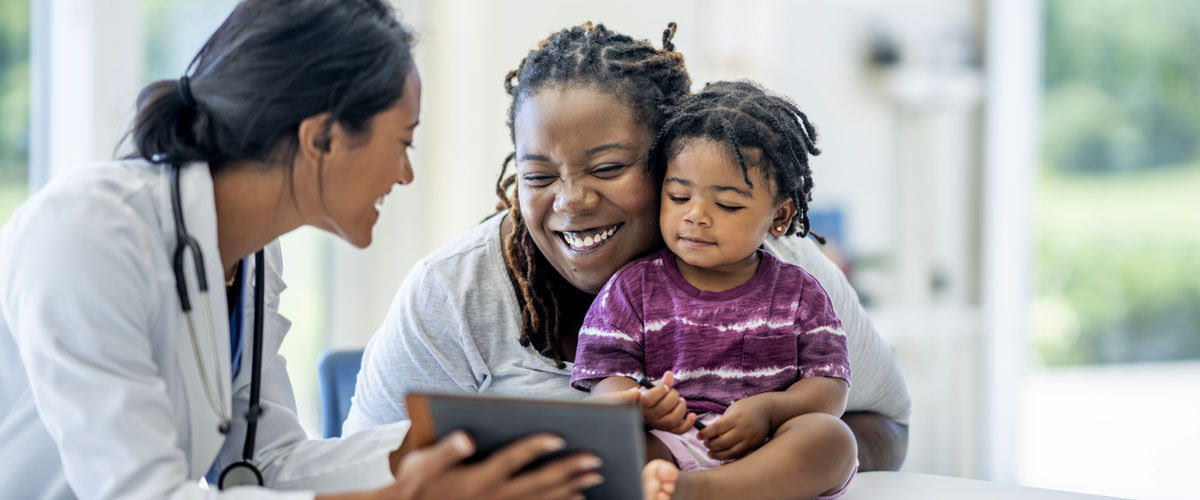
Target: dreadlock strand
x=737, y=151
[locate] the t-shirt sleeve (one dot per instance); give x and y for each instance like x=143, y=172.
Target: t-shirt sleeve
x=820, y=336
x=611, y=341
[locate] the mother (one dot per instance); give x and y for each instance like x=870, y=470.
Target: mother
x=499, y=309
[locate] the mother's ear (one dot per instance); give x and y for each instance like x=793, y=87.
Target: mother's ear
x=782, y=220
x=315, y=135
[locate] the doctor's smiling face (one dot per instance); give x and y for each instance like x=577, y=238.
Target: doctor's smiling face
x=587, y=197
x=360, y=168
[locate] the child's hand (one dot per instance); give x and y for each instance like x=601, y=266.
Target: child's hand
x=741, y=430
x=664, y=409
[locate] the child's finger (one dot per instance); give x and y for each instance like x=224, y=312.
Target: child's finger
x=668, y=379
x=714, y=429
x=670, y=399
x=677, y=413
x=657, y=412
x=651, y=397
x=723, y=441
x=686, y=424
x=733, y=452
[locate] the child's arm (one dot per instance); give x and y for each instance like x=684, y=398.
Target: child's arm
x=807, y=395
x=662, y=407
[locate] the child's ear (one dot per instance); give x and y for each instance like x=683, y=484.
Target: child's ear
x=784, y=213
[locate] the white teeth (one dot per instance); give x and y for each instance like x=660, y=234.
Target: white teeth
x=588, y=241
x=379, y=203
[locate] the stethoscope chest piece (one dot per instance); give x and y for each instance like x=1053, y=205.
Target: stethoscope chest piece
x=240, y=474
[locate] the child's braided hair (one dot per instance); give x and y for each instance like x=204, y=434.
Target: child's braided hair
x=746, y=116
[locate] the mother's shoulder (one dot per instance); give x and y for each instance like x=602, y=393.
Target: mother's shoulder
x=475, y=259
x=481, y=242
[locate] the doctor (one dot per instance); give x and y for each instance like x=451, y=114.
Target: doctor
x=139, y=322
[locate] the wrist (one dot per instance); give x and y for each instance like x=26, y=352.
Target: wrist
x=763, y=404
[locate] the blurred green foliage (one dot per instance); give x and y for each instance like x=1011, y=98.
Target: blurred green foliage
x=1122, y=84
x=14, y=91
x=1118, y=206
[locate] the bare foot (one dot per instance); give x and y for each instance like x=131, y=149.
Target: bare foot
x=658, y=480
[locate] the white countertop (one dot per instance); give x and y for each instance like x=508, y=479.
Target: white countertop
x=913, y=486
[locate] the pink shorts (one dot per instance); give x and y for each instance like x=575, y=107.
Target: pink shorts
x=691, y=454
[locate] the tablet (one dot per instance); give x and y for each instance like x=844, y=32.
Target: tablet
x=611, y=431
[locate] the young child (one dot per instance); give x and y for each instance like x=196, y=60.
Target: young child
x=742, y=343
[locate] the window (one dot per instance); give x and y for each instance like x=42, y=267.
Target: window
x=1116, y=307
x=14, y=105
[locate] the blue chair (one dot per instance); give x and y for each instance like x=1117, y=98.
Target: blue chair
x=338, y=372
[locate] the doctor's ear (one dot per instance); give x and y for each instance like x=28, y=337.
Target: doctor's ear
x=315, y=135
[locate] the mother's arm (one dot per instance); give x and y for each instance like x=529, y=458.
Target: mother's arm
x=882, y=442
x=878, y=406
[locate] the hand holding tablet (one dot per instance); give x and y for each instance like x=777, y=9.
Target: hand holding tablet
x=611, y=431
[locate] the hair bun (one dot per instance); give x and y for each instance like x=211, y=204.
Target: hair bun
x=668, y=35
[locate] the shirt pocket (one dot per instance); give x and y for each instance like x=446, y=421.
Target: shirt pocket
x=768, y=362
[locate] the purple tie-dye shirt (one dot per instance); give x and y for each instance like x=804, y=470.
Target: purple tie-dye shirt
x=761, y=336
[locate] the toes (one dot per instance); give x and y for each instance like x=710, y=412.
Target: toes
x=658, y=480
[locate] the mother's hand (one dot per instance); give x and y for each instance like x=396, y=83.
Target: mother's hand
x=434, y=472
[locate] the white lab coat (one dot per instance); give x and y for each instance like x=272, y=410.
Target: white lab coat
x=100, y=393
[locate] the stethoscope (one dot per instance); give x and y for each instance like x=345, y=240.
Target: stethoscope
x=242, y=473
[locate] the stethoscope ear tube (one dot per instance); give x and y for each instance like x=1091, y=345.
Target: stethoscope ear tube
x=183, y=243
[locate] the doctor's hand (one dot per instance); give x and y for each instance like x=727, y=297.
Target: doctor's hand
x=435, y=472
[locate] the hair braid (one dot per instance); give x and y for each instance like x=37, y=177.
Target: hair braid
x=649, y=81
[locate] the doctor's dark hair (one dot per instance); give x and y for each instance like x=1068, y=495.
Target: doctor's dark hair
x=269, y=66
x=748, y=119
x=649, y=81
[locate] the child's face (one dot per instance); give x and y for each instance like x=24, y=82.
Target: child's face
x=710, y=217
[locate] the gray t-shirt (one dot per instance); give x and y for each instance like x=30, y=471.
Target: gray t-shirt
x=454, y=325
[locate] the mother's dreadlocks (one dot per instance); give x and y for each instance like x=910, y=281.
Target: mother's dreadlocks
x=649, y=80
x=746, y=116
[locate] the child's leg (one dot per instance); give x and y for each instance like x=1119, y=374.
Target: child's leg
x=809, y=456
x=656, y=449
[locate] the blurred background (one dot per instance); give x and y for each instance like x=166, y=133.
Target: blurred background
x=1011, y=185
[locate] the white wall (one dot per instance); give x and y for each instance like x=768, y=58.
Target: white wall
x=87, y=62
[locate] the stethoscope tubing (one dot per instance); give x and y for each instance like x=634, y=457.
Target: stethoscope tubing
x=184, y=243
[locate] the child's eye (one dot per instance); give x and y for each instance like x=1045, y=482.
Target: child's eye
x=677, y=199
x=729, y=208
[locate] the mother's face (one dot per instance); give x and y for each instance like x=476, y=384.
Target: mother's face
x=589, y=201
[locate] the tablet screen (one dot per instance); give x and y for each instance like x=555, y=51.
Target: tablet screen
x=612, y=431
